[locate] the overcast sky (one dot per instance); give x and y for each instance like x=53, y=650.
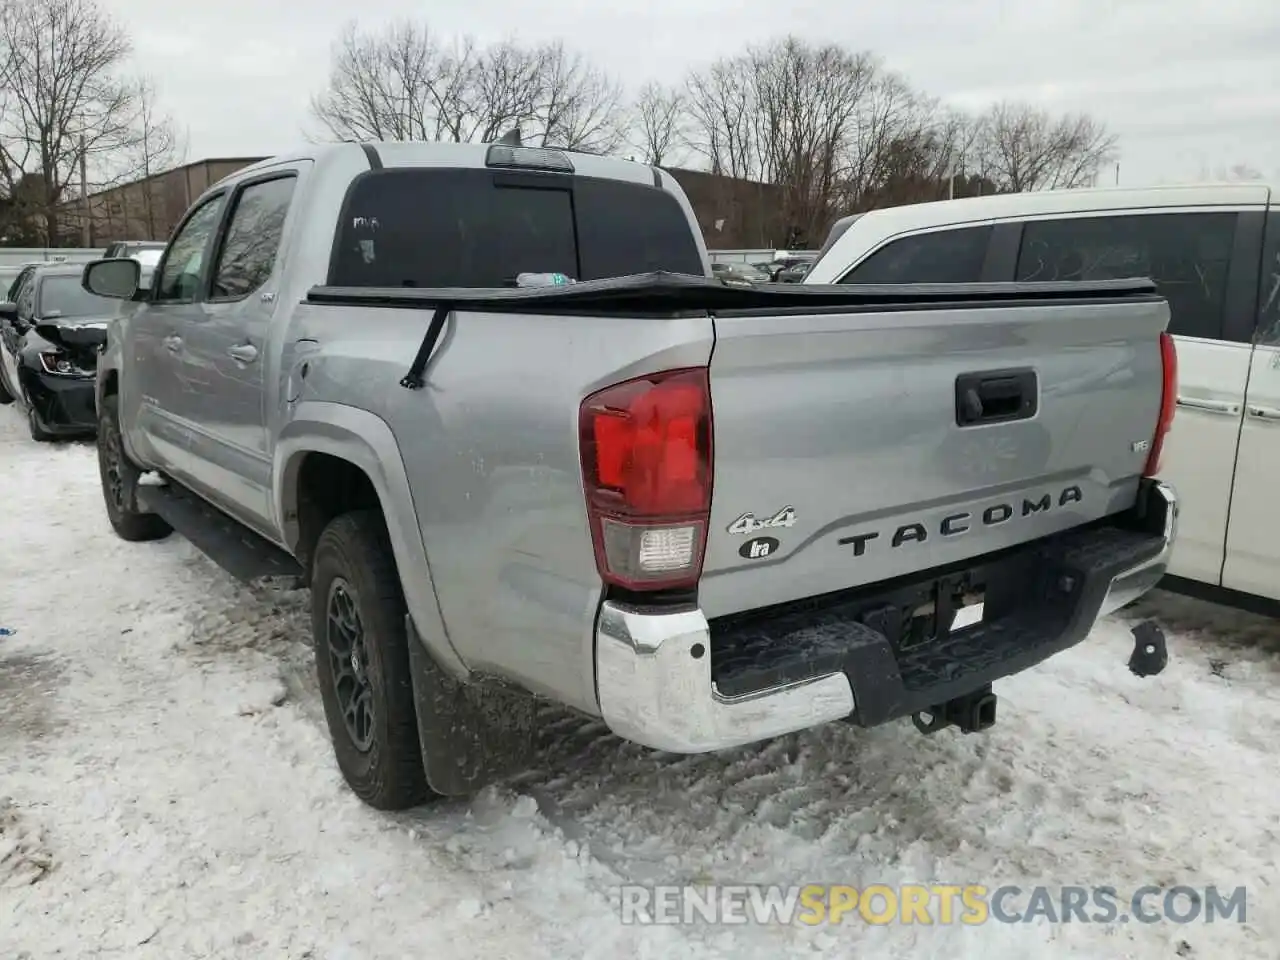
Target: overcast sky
x=1188, y=85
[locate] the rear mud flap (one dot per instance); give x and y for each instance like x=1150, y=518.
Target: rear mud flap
x=471, y=734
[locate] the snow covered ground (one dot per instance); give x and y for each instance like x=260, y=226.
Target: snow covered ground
x=171, y=791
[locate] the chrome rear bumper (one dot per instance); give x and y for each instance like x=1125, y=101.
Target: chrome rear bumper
x=654, y=678
x=654, y=671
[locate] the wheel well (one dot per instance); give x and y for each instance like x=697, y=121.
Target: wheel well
x=328, y=487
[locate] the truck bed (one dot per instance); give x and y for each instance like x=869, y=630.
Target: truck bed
x=836, y=452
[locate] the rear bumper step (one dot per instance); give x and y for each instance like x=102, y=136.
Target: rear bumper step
x=674, y=681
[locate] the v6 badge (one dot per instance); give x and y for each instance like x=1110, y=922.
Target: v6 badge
x=758, y=549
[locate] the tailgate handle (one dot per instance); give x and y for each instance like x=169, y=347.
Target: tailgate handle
x=996, y=396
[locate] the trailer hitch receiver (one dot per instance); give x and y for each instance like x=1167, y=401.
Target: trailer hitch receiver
x=972, y=713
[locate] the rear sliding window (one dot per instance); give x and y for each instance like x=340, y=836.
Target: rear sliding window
x=481, y=228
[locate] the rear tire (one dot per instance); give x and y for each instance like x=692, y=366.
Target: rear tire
x=362, y=663
x=120, y=481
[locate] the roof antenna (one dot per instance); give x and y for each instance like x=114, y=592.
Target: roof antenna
x=512, y=137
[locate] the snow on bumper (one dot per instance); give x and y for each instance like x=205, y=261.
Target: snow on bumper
x=657, y=687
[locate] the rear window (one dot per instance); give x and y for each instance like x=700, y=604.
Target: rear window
x=481, y=228
x=944, y=256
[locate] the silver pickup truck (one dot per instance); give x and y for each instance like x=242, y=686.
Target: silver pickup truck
x=489, y=402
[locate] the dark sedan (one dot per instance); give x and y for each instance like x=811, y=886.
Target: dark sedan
x=49, y=342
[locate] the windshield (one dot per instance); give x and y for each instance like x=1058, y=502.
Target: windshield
x=64, y=297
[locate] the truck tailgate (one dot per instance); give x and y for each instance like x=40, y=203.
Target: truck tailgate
x=854, y=446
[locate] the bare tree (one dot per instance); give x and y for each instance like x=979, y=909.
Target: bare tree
x=155, y=145
x=404, y=83
x=579, y=106
x=658, y=122
x=1024, y=148
x=66, y=105
x=893, y=135
x=384, y=86
x=786, y=114
x=721, y=104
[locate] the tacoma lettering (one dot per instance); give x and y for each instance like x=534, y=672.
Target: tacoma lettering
x=957, y=523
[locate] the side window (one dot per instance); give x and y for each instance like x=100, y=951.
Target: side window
x=180, y=275
x=1269, y=292
x=15, y=290
x=252, y=239
x=945, y=256
x=1187, y=254
x=27, y=299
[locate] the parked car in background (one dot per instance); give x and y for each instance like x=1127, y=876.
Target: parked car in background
x=49, y=342
x=21, y=273
x=781, y=264
x=794, y=273
x=146, y=252
x=739, y=272
x=1214, y=252
x=131, y=248
x=708, y=514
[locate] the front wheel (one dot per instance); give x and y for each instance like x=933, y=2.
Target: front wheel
x=362, y=663
x=120, y=481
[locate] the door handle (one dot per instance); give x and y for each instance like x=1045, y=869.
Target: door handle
x=173, y=344
x=1265, y=413
x=1223, y=407
x=997, y=396
x=243, y=352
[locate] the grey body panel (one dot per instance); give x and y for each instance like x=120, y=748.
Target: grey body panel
x=848, y=417
x=478, y=474
x=490, y=447
x=850, y=420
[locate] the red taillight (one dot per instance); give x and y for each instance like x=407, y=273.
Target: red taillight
x=1168, y=403
x=646, y=467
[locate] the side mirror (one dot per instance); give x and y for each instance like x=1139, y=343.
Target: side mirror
x=117, y=278
x=8, y=311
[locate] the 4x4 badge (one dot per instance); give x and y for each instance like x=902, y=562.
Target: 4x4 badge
x=747, y=523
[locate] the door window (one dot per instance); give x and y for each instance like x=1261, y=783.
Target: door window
x=1269, y=286
x=944, y=256
x=180, y=275
x=15, y=290
x=1187, y=254
x=252, y=239
x=26, y=300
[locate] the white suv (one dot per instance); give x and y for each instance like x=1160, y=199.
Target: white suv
x=1214, y=251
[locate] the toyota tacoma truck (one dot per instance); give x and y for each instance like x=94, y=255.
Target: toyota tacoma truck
x=490, y=404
